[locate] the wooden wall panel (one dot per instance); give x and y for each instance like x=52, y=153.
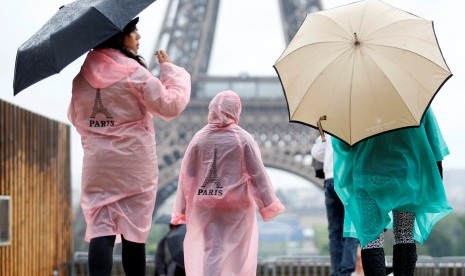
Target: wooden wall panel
x=35, y=173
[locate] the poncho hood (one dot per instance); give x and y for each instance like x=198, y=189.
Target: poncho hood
x=224, y=109
x=104, y=67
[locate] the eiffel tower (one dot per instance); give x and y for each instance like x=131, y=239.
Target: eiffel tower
x=99, y=108
x=285, y=146
x=212, y=176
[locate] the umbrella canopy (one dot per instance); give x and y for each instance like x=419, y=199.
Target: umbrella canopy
x=175, y=242
x=361, y=69
x=73, y=30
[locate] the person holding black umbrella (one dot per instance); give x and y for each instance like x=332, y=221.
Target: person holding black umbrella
x=114, y=99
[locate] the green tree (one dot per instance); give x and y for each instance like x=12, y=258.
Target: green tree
x=459, y=238
x=441, y=239
x=321, y=239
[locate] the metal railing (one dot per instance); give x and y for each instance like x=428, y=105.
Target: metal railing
x=320, y=266
x=302, y=266
x=80, y=265
x=299, y=266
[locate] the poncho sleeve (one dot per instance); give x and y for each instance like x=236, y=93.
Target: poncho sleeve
x=169, y=95
x=434, y=135
x=262, y=190
x=187, y=178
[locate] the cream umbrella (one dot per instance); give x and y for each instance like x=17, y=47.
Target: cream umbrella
x=361, y=69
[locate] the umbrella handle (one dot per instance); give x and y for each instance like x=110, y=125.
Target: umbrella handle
x=320, y=128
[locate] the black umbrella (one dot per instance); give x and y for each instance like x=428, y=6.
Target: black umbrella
x=72, y=31
x=175, y=240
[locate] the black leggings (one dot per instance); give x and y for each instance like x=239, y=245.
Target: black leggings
x=101, y=256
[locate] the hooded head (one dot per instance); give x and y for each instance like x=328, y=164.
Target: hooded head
x=224, y=109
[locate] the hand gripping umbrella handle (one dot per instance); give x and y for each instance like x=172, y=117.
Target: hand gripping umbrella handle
x=320, y=128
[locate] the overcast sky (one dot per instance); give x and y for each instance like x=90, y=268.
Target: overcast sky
x=248, y=39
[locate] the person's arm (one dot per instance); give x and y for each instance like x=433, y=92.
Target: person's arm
x=434, y=135
x=269, y=206
x=318, y=154
x=179, y=211
x=168, y=95
x=186, y=177
x=318, y=150
x=435, y=138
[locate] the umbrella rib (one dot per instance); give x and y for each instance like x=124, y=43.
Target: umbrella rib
x=350, y=97
x=404, y=49
x=335, y=59
x=406, y=72
x=410, y=51
x=319, y=74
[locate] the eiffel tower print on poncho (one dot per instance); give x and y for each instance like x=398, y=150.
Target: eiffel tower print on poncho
x=99, y=108
x=212, y=176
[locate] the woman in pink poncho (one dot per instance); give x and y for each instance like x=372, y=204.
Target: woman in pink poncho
x=113, y=102
x=222, y=182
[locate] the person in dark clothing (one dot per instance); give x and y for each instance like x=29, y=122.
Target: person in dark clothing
x=342, y=250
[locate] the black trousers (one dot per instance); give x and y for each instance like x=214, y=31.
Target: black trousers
x=101, y=256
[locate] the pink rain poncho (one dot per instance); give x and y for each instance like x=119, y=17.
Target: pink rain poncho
x=221, y=183
x=113, y=101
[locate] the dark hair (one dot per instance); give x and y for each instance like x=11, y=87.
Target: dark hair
x=117, y=42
